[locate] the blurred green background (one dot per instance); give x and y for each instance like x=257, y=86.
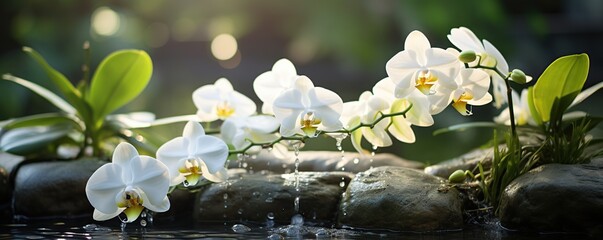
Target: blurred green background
x=340, y=45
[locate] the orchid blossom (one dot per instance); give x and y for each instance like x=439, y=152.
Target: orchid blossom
x=489, y=56
x=366, y=110
x=240, y=132
x=471, y=88
x=421, y=67
x=268, y=85
x=128, y=184
x=305, y=109
x=521, y=111
x=194, y=155
x=221, y=101
x=418, y=114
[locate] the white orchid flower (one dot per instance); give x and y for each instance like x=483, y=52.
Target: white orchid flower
x=240, y=132
x=521, y=110
x=472, y=88
x=221, y=101
x=194, y=155
x=366, y=110
x=128, y=184
x=418, y=114
x=489, y=56
x=421, y=67
x=305, y=109
x=269, y=85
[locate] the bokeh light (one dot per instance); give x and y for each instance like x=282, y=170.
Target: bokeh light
x=105, y=22
x=224, y=47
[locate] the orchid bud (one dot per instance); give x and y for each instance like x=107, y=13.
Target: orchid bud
x=518, y=76
x=467, y=56
x=457, y=176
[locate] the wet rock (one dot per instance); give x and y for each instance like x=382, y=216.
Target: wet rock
x=53, y=189
x=400, y=199
x=555, y=197
x=464, y=162
x=325, y=161
x=8, y=164
x=270, y=197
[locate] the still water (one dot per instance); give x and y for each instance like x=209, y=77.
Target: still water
x=89, y=229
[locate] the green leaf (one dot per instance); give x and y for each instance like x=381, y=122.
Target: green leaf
x=43, y=92
x=562, y=79
x=22, y=141
x=533, y=112
x=586, y=93
x=72, y=95
x=45, y=119
x=120, y=77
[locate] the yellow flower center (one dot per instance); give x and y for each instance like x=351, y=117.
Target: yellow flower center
x=191, y=169
x=425, y=81
x=309, y=124
x=131, y=201
x=460, y=104
x=224, y=110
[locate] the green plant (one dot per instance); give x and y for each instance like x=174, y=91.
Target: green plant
x=83, y=119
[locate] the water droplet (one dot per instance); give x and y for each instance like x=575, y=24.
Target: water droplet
x=225, y=196
x=275, y=236
x=269, y=200
x=322, y=233
x=123, y=226
x=270, y=215
x=284, y=165
x=342, y=184
x=296, y=204
x=185, y=183
x=356, y=160
x=240, y=211
x=293, y=231
x=240, y=228
x=143, y=214
x=297, y=220
x=254, y=156
x=269, y=149
x=256, y=194
x=143, y=222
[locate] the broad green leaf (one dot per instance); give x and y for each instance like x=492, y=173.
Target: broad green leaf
x=586, y=93
x=43, y=92
x=44, y=119
x=533, y=112
x=120, y=77
x=564, y=77
x=28, y=140
x=72, y=95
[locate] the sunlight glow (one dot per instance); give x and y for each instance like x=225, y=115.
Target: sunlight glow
x=105, y=22
x=224, y=47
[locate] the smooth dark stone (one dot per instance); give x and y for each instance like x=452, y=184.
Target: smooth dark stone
x=400, y=199
x=8, y=163
x=53, y=189
x=555, y=198
x=259, y=197
x=327, y=161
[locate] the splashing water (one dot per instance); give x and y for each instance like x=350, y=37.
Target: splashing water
x=240, y=228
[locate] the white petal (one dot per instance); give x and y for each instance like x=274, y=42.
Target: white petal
x=151, y=177
x=219, y=176
x=289, y=99
x=349, y=110
x=193, y=129
x=211, y=150
x=284, y=68
x=170, y=154
x=320, y=97
x=242, y=104
x=501, y=63
x=122, y=155
x=482, y=101
x=475, y=81
x=400, y=129
x=230, y=128
x=288, y=119
x=102, y=187
x=377, y=136
x=223, y=85
x=100, y=216
x=465, y=39
x=304, y=84
x=385, y=89
x=156, y=206
x=417, y=42
x=262, y=123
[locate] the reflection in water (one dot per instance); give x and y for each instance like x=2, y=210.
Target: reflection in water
x=87, y=229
